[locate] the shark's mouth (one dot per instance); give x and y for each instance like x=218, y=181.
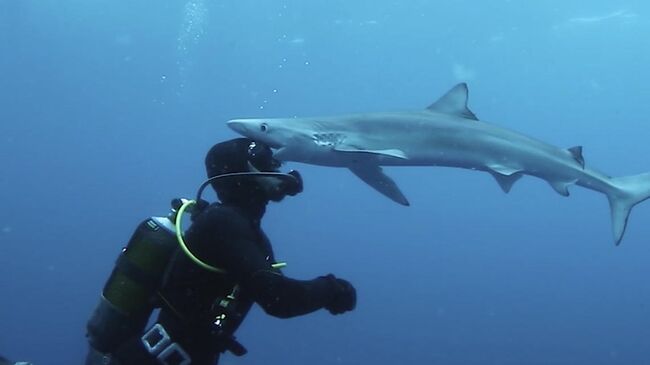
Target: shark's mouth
x=275, y=146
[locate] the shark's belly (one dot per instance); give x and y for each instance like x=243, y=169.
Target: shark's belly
x=485, y=152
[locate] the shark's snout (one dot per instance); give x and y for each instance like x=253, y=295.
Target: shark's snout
x=255, y=129
x=238, y=125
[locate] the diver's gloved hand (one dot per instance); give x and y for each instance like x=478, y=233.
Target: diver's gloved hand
x=294, y=187
x=344, y=296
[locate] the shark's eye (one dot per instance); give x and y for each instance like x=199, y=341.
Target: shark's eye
x=264, y=127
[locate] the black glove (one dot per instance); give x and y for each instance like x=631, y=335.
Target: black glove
x=344, y=296
x=293, y=187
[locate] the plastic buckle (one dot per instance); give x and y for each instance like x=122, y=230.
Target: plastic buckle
x=174, y=355
x=158, y=343
x=156, y=339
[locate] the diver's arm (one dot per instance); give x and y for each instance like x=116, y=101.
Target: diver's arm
x=278, y=295
x=248, y=263
x=281, y=296
x=284, y=297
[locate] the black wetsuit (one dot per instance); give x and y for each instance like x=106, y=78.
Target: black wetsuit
x=230, y=237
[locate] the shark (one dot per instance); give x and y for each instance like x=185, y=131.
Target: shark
x=446, y=133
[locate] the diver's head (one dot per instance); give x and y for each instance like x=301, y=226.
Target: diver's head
x=242, y=155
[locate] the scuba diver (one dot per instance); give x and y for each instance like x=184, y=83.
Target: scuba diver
x=205, y=281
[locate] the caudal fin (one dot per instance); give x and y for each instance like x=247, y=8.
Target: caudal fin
x=631, y=190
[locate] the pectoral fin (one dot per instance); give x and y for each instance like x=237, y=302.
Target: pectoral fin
x=387, y=152
x=374, y=176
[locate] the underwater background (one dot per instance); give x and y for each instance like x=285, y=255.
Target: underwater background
x=108, y=107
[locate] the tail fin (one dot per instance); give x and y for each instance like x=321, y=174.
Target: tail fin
x=630, y=191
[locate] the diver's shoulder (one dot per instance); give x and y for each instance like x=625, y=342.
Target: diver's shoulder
x=217, y=213
x=215, y=219
x=218, y=209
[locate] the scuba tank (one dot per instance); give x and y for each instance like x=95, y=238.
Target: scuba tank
x=130, y=293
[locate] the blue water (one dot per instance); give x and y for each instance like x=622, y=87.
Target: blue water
x=107, y=109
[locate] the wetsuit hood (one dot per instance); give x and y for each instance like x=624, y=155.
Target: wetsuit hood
x=230, y=157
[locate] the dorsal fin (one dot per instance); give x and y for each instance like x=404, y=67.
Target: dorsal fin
x=576, y=152
x=454, y=102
